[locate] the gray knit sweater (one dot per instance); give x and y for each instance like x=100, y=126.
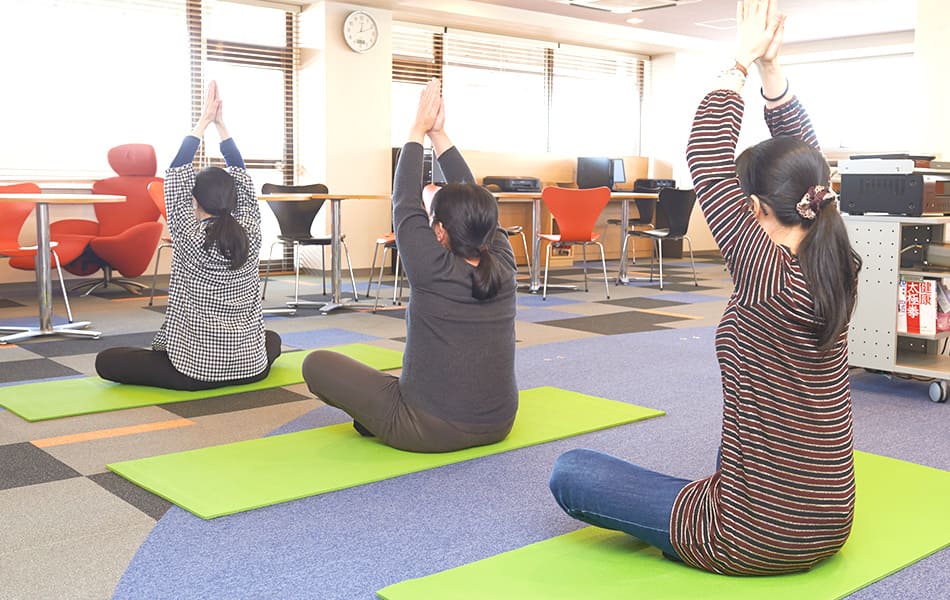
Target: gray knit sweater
x=459, y=362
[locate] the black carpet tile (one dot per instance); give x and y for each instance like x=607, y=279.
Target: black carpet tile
x=145, y=501
x=5, y=303
x=646, y=303
x=396, y=313
x=25, y=464
x=625, y=322
x=232, y=402
x=75, y=346
x=33, y=368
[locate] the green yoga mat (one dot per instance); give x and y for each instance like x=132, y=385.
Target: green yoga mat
x=84, y=395
x=901, y=516
x=226, y=479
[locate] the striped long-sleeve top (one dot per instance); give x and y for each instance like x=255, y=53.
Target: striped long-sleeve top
x=783, y=496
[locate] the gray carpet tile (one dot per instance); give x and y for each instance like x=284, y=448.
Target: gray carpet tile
x=24, y=464
x=613, y=324
x=147, y=502
x=64, y=347
x=232, y=402
x=37, y=368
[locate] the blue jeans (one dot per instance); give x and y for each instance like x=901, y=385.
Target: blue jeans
x=611, y=493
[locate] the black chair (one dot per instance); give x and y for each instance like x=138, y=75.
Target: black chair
x=645, y=209
x=295, y=219
x=677, y=205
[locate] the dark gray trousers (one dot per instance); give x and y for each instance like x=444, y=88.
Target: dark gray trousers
x=373, y=398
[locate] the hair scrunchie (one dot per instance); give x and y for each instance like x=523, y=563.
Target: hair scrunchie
x=816, y=198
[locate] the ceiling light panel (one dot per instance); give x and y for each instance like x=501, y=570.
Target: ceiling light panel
x=625, y=6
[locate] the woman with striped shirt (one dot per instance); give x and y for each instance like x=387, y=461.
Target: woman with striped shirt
x=782, y=497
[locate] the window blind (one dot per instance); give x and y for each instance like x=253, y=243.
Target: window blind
x=522, y=95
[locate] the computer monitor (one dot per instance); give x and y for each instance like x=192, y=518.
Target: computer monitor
x=594, y=171
x=617, y=173
x=438, y=177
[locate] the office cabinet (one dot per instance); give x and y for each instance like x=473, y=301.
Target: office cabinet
x=893, y=247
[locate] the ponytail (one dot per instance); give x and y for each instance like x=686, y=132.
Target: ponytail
x=230, y=238
x=489, y=275
x=217, y=195
x=830, y=266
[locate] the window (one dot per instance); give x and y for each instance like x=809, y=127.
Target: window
x=846, y=101
x=527, y=96
x=595, y=104
x=100, y=73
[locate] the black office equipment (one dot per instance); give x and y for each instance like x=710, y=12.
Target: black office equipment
x=594, y=171
x=513, y=184
x=652, y=185
x=893, y=186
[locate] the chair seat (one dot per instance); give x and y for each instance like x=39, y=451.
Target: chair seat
x=630, y=222
x=513, y=230
x=555, y=239
x=653, y=233
x=306, y=240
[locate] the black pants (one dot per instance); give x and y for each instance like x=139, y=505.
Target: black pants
x=142, y=366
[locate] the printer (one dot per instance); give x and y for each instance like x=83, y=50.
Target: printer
x=513, y=184
x=894, y=185
x=652, y=185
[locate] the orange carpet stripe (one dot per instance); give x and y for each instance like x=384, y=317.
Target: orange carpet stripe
x=101, y=434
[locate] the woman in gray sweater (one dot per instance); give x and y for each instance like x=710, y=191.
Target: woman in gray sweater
x=457, y=388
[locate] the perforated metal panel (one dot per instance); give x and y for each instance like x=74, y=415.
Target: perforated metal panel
x=872, y=340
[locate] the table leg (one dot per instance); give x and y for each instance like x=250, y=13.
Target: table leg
x=535, y=285
x=622, y=277
x=44, y=288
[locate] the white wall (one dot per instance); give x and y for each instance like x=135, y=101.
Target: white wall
x=932, y=46
x=343, y=116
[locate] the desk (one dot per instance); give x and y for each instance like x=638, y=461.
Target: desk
x=535, y=199
x=44, y=282
x=336, y=300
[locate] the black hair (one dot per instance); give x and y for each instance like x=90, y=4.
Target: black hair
x=469, y=214
x=217, y=195
x=780, y=172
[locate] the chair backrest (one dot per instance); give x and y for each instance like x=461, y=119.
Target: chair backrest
x=156, y=191
x=576, y=211
x=645, y=210
x=14, y=214
x=295, y=218
x=677, y=205
x=135, y=165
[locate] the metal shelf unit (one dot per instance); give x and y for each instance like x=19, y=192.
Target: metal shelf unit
x=873, y=341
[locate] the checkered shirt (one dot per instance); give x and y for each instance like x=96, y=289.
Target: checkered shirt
x=214, y=327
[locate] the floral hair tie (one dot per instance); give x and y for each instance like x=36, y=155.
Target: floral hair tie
x=816, y=198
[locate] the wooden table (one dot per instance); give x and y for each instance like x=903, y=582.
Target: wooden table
x=535, y=199
x=336, y=299
x=44, y=281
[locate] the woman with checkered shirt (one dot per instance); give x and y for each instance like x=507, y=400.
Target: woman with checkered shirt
x=213, y=334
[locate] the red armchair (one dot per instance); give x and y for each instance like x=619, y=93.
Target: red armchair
x=126, y=235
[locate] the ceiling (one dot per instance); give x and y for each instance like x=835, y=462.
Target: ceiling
x=663, y=29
